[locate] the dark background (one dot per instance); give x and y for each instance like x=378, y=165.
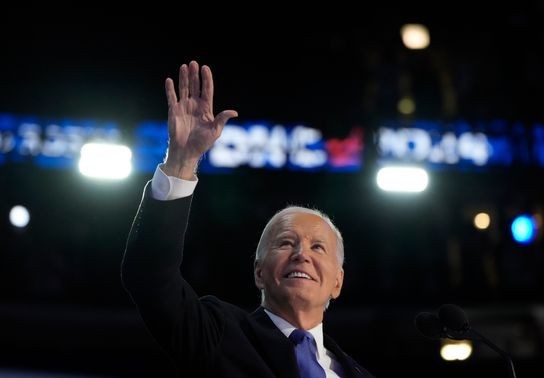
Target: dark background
x=62, y=307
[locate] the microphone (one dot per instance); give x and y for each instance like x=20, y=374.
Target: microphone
x=453, y=317
x=455, y=322
x=452, y=323
x=430, y=326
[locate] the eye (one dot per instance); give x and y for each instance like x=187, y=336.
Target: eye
x=319, y=247
x=286, y=243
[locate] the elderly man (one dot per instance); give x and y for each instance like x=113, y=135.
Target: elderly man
x=298, y=267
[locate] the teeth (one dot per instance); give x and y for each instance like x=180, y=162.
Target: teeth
x=298, y=275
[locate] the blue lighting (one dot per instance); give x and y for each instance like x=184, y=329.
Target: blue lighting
x=523, y=229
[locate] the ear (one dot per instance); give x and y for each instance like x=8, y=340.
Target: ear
x=257, y=272
x=338, y=284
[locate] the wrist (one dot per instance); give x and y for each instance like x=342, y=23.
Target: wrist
x=183, y=170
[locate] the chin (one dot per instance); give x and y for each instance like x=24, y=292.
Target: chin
x=301, y=298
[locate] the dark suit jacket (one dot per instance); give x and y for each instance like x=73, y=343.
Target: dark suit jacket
x=205, y=337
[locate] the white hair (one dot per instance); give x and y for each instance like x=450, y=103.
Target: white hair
x=280, y=216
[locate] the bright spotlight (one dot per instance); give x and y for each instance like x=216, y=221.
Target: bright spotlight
x=523, y=229
x=105, y=161
x=19, y=216
x=482, y=221
x=415, y=36
x=453, y=350
x=402, y=179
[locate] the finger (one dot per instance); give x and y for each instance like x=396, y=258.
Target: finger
x=194, y=80
x=221, y=120
x=207, y=86
x=170, y=93
x=183, y=82
x=223, y=117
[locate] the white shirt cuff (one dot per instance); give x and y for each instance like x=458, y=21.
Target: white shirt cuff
x=166, y=188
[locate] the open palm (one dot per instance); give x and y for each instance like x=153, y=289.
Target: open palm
x=192, y=126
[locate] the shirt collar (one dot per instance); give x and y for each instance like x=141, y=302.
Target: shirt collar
x=286, y=328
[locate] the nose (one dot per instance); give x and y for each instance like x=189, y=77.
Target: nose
x=300, y=254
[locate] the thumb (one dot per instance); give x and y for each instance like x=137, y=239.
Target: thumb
x=222, y=118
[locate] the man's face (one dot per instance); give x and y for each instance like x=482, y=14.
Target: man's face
x=301, y=267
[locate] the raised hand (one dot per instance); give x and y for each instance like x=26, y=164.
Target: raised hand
x=192, y=126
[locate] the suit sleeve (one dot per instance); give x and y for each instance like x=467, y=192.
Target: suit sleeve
x=188, y=328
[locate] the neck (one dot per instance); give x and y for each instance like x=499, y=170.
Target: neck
x=299, y=317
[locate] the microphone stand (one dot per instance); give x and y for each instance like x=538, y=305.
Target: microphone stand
x=506, y=356
x=458, y=328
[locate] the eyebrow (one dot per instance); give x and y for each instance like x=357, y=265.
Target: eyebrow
x=286, y=233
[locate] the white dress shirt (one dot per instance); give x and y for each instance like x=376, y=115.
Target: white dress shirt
x=326, y=359
x=165, y=188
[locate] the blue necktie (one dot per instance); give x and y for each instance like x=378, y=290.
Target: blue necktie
x=306, y=350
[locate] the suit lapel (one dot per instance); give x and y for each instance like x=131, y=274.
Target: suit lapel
x=275, y=348
x=350, y=368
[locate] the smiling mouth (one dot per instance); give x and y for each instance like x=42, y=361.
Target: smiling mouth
x=299, y=275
